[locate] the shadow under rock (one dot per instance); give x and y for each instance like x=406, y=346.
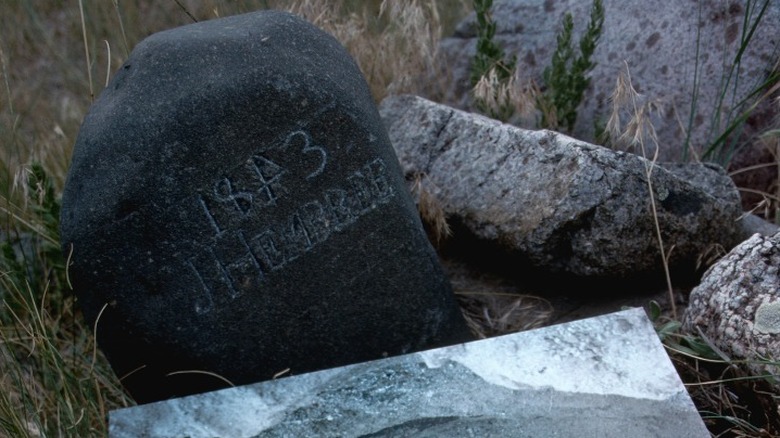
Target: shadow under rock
x=477, y=266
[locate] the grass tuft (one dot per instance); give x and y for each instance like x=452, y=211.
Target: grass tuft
x=431, y=211
x=492, y=313
x=732, y=401
x=566, y=79
x=51, y=387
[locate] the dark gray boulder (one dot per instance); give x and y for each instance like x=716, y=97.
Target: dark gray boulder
x=566, y=206
x=234, y=208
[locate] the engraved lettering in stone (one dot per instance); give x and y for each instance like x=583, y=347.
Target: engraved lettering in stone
x=214, y=279
x=239, y=264
x=256, y=184
x=269, y=175
x=203, y=302
x=337, y=202
x=315, y=221
x=236, y=263
x=223, y=201
x=380, y=187
x=361, y=192
x=308, y=148
x=226, y=192
x=210, y=217
x=296, y=241
x=369, y=187
x=225, y=270
x=267, y=247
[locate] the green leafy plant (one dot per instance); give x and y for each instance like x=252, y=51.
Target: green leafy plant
x=491, y=71
x=670, y=333
x=565, y=79
x=52, y=380
x=31, y=253
x=489, y=55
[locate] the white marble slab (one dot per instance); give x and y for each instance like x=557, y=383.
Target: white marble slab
x=607, y=376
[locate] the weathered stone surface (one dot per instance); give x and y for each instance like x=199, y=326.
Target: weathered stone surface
x=752, y=224
x=719, y=184
x=737, y=304
x=234, y=207
x=566, y=205
x=658, y=40
x=601, y=377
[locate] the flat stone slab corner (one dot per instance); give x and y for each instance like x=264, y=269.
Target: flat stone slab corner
x=607, y=376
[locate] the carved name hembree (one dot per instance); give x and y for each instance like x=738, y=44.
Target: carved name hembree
x=253, y=190
x=234, y=207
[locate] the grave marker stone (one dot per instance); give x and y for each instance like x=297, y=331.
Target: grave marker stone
x=234, y=211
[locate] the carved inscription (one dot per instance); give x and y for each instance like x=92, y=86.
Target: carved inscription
x=258, y=183
x=308, y=148
x=240, y=260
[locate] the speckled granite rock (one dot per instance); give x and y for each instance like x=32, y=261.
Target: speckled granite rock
x=658, y=41
x=737, y=304
x=568, y=206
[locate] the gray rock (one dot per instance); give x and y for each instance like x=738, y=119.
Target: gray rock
x=737, y=304
x=752, y=224
x=656, y=38
x=235, y=209
x=566, y=205
x=717, y=182
x=607, y=376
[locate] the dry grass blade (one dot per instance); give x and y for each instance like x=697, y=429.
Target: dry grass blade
x=636, y=134
x=513, y=101
x=732, y=402
x=395, y=46
x=491, y=314
x=430, y=210
x=86, y=51
x=206, y=373
x=53, y=384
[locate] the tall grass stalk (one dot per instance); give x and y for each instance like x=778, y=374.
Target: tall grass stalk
x=635, y=134
x=49, y=385
x=731, y=400
x=490, y=56
x=492, y=74
x=730, y=111
x=121, y=29
x=86, y=51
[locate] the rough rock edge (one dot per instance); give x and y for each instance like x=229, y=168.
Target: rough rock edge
x=439, y=127
x=737, y=300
